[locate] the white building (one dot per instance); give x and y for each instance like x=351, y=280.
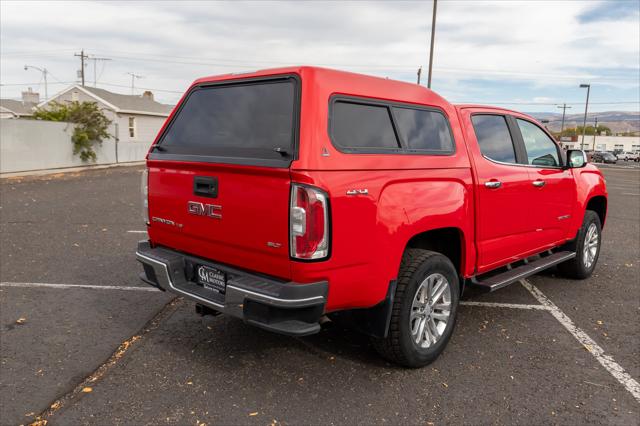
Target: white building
x=136, y=118
x=605, y=143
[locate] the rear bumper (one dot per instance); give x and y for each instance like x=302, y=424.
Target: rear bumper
x=283, y=307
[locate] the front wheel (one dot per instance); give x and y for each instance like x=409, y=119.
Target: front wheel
x=587, y=246
x=424, y=309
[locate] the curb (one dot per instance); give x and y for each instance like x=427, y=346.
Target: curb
x=44, y=172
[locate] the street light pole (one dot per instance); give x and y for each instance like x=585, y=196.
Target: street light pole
x=433, y=36
x=44, y=75
x=586, y=108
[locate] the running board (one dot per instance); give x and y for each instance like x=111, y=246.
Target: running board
x=530, y=268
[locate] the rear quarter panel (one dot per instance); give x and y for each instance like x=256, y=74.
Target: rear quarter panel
x=370, y=232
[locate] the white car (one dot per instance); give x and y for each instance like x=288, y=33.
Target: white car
x=629, y=156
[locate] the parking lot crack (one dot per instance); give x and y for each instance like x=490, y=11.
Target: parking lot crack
x=99, y=373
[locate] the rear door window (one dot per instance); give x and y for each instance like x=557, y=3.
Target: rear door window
x=238, y=122
x=362, y=126
x=494, y=138
x=541, y=150
x=424, y=130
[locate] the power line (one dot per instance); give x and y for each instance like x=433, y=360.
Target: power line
x=34, y=84
x=35, y=52
x=142, y=88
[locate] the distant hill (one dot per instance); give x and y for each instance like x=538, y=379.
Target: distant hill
x=617, y=121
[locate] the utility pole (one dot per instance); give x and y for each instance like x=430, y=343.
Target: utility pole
x=419, y=73
x=95, y=61
x=82, y=58
x=586, y=108
x=564, y=109
x=133, y=77
x=433, y=36
x=595, y=130
x=44, y=75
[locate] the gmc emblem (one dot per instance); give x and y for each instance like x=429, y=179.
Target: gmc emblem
x=201, y=209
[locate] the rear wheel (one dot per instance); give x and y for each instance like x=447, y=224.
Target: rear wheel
x=587, y=246
x=424, y=309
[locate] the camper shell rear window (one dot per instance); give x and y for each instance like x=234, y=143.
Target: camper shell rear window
x=252, y=122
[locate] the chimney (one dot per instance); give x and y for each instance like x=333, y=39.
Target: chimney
x=30, y=97
x=147, y=95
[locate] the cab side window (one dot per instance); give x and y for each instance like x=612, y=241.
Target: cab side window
x=494, y=137
x=541, y=150
x=424, y=130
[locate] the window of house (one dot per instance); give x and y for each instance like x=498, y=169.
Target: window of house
x=423, y=129
x=494, y=137
x=74, y=96
x=361, y=126
x=541, y=150
x=635, y=147
x=132, y=127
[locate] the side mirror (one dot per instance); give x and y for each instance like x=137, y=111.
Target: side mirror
x=576, y=158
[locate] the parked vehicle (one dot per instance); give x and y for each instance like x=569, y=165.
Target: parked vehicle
x=629, y=156
x=604, y=157
x=284, y=196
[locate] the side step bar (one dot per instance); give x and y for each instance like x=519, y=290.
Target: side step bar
x=530, y=268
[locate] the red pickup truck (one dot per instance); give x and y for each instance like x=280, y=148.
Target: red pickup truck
x=286, y=196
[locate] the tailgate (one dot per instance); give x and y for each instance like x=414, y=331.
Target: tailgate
x=245, y=225
x=219, y=183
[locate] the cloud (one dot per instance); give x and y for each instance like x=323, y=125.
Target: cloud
x=533, y=48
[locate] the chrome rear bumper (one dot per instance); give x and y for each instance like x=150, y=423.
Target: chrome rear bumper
x=283, y=307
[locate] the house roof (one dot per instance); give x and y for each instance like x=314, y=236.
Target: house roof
x=130, y=102
x=17, y=107
x=133, y=104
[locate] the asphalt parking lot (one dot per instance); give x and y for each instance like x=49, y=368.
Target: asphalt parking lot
x=84, y=342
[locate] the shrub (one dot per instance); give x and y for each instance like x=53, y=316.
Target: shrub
x=90, y=125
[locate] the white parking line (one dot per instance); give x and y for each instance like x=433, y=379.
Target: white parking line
x=137, y=232
x=505, y=305
x=87, y=286
x=589, y=344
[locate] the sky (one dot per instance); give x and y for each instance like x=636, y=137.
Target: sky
x=526, y=55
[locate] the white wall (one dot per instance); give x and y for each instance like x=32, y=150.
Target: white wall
x=27, y=145
x=607, y=143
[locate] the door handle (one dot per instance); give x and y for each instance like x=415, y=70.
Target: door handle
x=538, y=183
x=493, y=184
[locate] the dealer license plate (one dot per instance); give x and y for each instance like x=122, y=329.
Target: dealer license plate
x=211, y=278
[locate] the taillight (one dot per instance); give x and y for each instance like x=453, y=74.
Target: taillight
x=144, y=194
x=308, y=223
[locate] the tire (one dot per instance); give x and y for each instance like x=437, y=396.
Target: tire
x=582, y=266
x=425, y=271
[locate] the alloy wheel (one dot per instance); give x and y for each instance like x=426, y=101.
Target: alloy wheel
x=430, y=310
